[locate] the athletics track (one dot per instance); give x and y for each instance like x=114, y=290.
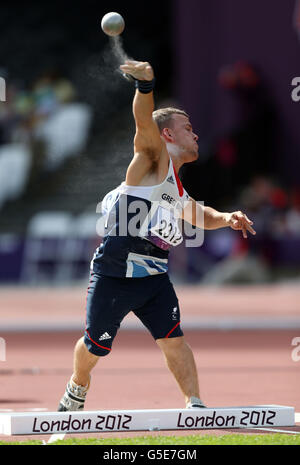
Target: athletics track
x=236, y=366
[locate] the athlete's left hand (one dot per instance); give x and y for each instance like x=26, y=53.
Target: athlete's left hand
x=240, y=222
x=141, y=70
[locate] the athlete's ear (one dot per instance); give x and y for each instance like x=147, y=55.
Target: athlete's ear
x=167, y=134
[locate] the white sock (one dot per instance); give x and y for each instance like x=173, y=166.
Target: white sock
x=79, y=385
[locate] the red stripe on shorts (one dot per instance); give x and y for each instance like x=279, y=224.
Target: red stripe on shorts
x=172, y=329
x=102, y=347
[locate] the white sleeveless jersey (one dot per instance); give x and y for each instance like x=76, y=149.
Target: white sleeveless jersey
x=151, y=217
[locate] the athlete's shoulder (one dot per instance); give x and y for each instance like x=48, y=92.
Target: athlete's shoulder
x=110, y=198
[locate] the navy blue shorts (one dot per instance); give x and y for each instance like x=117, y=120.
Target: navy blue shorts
x=152, y=299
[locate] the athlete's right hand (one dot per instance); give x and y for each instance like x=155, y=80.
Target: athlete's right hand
x=141, y=70
x=240, y=222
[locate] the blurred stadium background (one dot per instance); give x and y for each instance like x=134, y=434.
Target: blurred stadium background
x=66, y=132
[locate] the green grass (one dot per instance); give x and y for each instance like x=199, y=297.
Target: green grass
x=228, y=439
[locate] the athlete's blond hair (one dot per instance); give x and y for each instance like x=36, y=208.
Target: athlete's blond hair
x=163, y=116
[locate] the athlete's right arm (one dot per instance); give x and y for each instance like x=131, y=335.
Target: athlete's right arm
x=148, y=144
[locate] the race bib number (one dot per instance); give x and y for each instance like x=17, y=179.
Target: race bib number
x=165, y=226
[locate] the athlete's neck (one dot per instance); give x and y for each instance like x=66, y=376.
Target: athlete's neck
x=176, y=154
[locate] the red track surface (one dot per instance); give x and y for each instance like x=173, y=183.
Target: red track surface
x=235, y=368
x=30, y=306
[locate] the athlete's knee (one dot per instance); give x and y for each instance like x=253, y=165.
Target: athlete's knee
x=171, y=343
x=95, y=348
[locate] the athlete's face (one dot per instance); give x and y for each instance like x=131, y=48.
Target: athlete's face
x=184, y=137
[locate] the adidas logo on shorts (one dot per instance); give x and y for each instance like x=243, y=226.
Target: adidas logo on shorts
x=104, y=336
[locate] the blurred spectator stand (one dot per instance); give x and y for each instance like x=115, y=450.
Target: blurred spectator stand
x=15, y=164
x=58, y=247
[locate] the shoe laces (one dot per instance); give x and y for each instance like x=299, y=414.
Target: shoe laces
x=79, y=391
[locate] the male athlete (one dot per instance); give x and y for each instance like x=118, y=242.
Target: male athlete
x=129, y=270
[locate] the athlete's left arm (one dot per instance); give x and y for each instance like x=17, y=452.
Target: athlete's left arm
x=208, y=218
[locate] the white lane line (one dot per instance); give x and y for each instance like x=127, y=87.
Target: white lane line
x=277, y=430
x=55, y=437
x=37, y=409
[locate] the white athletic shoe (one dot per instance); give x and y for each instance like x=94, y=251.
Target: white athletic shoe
x=195, y=402
x=73, y=398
